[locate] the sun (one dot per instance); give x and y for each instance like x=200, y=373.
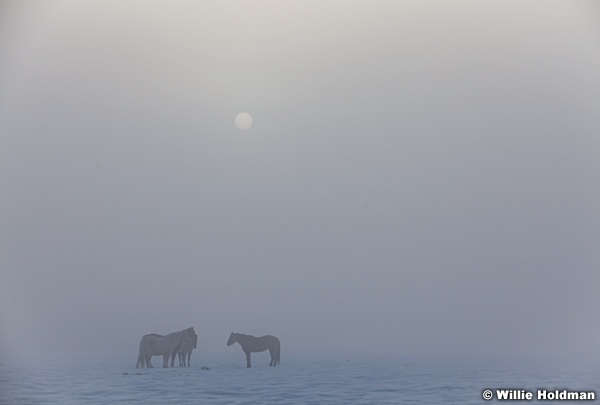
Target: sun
x=243, y=121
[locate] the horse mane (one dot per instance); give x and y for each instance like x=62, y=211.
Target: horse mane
x=153, y=335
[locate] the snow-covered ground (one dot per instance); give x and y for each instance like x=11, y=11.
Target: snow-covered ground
x=91, y=378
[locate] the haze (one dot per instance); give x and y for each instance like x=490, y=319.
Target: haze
x=421, y=177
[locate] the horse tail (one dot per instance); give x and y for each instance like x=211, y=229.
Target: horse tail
x=141, y=359
x=174, y=353
x=177, y=347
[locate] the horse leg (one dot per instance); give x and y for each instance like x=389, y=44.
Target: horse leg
x=189, y=356
x=166, y=360
x=248, y=365
x=149, y=361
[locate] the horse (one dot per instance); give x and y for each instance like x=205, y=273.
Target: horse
x=255, y=344
x=159, y=345
x=185, y=351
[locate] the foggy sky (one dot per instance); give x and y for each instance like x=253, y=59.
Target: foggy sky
x=421, y=177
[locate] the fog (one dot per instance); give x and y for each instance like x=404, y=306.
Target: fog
x=421, y=177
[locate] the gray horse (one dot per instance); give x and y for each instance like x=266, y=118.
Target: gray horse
x=255, y=344
x=185, y=352
x=159, y=345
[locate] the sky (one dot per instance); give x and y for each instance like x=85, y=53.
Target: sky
x=421, y=177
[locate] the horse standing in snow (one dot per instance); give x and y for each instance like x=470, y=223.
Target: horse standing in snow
x=255, y=344
x=159, y=345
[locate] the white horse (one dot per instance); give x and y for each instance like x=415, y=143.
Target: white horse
x=159, y=345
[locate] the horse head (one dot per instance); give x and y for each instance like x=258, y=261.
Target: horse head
x=232, y=339
x=191, y=334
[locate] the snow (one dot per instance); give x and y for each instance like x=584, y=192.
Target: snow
x=91, y=378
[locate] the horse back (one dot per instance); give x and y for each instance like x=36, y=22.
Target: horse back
x=271, y=340
x=260, y=344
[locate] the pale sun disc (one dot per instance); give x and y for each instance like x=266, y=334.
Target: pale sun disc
x=243, y=121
